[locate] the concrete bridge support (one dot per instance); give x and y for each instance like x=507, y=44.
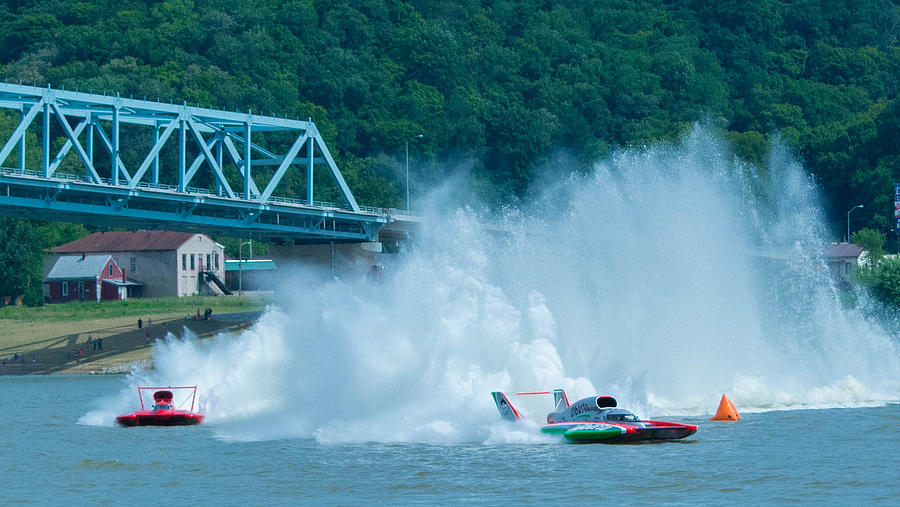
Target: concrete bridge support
x=344, y=260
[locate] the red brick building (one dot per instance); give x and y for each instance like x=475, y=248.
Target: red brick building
x=86, y=278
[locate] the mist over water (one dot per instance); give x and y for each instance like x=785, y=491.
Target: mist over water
x=665, y=277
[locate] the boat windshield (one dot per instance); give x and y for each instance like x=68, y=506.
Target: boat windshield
x=162, y=406
x=622, y=417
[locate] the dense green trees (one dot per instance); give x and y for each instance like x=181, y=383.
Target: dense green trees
x=882, y=280
x=503, y=84
x=20, y=260
x=871, y=241
x=21, y=254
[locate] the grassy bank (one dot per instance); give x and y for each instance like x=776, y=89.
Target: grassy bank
x=78, y=310
x=42, y=339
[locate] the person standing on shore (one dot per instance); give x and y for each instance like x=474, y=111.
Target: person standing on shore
x=99, y=343
x=91, y=343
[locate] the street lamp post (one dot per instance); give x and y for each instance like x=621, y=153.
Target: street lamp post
x=417, y=136
x=241, y=264
x=848, y=220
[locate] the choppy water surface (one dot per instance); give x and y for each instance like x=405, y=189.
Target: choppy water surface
x=807, y=456
x=665, y=277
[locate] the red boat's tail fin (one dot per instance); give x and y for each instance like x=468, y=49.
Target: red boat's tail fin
x=166, y=395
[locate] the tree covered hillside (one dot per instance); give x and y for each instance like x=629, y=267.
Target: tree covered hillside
x=502, y=84
x=507, y=83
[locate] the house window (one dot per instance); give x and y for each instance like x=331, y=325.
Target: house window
x=848, y=268
x=192, y=262
x=217, y=261
x=110, y=269
x=208, y=265
x=133, y=264
x=65, y=289
x=184, y=262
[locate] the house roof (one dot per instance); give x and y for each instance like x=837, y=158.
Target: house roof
x=126, y=241
x=70, y=267
x=844, y=250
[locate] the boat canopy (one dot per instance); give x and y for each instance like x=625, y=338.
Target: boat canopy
x=163, y=396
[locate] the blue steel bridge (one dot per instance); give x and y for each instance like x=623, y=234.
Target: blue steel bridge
x=240, y=158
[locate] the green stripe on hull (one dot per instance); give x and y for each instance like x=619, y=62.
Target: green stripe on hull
x=584, y=432
x=589, y=432
x=589, y=435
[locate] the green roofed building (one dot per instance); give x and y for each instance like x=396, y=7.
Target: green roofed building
x=250, y=274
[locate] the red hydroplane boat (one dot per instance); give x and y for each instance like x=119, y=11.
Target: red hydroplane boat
x=164, y=412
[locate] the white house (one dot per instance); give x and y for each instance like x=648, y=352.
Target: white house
x=843, y=259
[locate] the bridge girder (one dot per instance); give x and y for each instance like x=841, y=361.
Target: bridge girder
x=30, y=196
x=119, y=195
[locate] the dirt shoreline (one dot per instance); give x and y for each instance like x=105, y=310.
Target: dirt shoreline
x=65, y=348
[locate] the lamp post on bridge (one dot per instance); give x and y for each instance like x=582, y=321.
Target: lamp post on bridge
x=417, y=136
x=848, y=220
x=241, y=264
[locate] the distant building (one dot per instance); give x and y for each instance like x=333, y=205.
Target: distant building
x=86, y=278
x=250, y=274
x=165, y=263
x=842, y=259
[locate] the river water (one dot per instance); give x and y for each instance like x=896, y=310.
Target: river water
x=793, y=456
x=665, y=277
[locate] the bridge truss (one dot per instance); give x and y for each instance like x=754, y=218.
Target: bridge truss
x=83, y=177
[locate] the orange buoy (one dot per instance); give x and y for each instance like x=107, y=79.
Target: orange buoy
x=726, y=411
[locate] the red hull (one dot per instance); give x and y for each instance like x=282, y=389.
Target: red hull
x=159, y=418
x=654, y=430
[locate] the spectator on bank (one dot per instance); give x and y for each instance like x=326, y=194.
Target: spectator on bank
x=140, y=323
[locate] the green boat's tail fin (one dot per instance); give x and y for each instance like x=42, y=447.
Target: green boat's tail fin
x=507, y=411
x=560, y=400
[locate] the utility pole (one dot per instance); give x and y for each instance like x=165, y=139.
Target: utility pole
x=848, y=220
x=241, y=264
